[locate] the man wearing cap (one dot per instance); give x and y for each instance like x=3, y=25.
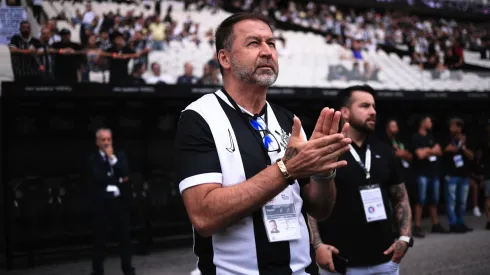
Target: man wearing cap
x=68, y=59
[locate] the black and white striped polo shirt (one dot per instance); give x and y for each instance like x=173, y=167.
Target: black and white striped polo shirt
x=214, y=144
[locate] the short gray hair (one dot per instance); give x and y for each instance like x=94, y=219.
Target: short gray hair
x=97, y=133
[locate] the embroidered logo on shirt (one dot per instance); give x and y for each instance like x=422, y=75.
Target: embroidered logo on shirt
x=231, y=149
x=284, y=138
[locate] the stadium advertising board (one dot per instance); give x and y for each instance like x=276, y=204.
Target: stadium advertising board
x=10, y=18
x=11, y=89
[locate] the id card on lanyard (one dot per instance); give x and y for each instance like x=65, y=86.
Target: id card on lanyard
x=372, y=199
x=458, y=159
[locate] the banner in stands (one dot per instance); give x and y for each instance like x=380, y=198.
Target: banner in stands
x=10, y=18
x=96, y=89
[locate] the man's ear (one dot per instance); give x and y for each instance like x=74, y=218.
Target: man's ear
x=344, y=113
x=224, y=58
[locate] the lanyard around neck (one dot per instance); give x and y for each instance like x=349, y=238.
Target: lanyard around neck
x=245, y=116
x=457, y=143
x=367, y=167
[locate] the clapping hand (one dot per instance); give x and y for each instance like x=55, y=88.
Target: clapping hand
x=319, y=155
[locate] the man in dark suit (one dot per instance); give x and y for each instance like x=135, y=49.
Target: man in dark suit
x=111, y=201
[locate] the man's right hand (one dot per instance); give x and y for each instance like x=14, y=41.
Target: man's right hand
x=315, y=157
x=109, y=151
x=324, y=256
x=452, y=148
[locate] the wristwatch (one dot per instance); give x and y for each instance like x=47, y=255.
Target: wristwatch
x=284, y=172
x=407, y=239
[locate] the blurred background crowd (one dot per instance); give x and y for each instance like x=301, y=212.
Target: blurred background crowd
x=147, y=42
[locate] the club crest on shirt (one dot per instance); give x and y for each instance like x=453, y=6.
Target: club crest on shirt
x=284, y=139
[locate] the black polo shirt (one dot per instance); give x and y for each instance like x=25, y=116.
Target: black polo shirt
x=119, y=67
x=392, y=142
x=424, y=167
x=449, y=162
x=347, y=229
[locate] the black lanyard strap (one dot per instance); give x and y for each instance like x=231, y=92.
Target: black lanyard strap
x=246, y=119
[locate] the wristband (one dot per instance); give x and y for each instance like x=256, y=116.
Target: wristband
x=325, y=178
x=408, y=240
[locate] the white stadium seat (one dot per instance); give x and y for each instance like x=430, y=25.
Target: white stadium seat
x=307, y=64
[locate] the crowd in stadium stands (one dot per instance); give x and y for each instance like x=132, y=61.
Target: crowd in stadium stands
x=435, y=44
x=110, y=41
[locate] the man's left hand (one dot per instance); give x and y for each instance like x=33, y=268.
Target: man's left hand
x=328, y=124
x=399, y=248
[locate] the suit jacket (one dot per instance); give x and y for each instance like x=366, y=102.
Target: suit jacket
x=102, y=175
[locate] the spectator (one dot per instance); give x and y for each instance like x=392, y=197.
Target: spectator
x=120, y=55
x=37, y=9
x=52, y=25
x=45, y=53
x=104, y=40
x=68, y=59
x=140, y=44
x=156, y=77
x=23, y=49
x=355, y=74
x=77, y=18
x=88, y=15
x=282, y=49
x=92, y=53
x=209, y=76
x=157, y=31
x=137, y=74
x=435, y=66
x=188, y=78
x=158, y=8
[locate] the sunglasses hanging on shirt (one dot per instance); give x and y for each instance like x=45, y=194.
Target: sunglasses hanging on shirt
x=267, y=140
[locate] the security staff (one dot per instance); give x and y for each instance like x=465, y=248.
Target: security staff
x=456, y=164
x=239, y=158
x=358, y=236
x=426, y=168
x=402, y=153
x=111, y=197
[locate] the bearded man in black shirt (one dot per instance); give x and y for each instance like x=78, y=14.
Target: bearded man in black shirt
x=358, y=236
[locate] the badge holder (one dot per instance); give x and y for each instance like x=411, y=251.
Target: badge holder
x=458, y=161
x=372, y=200
x=280, y=218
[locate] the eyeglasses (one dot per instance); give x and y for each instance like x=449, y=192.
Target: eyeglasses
x=268, y=139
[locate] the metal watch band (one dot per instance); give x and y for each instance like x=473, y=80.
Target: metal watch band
x=284, y=172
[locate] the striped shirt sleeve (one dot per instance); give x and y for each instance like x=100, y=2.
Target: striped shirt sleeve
x=196, y=157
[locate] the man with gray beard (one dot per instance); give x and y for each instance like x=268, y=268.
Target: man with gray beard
x=239, y=158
